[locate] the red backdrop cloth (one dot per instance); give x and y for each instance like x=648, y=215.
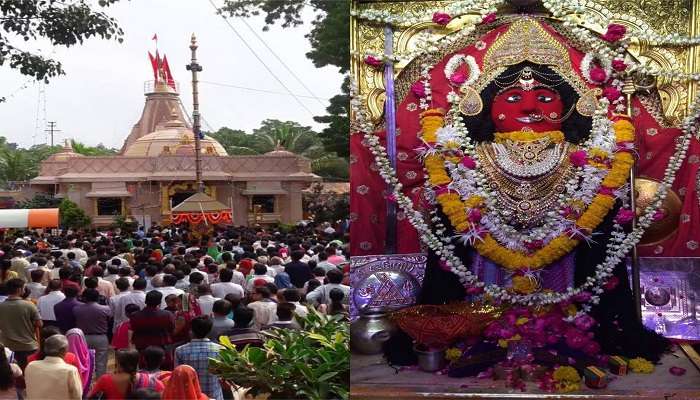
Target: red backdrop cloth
x=368, y=190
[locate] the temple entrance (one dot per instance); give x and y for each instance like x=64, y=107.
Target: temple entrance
x=176, y=193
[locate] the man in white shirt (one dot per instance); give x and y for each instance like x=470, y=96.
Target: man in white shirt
x=321, y=295
x=52, y=378
x=46, y=302
x=169, y=282
x=265, y=308
x=136, y=296
x=205, y=299
x=225, y=286
x=36, y=289
x=293, y=296
x=260, y=272
x=122, y=285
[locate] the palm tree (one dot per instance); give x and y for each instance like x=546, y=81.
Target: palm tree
x=15, y=166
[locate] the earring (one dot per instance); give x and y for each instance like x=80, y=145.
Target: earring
x=471, y=103
x=588, y=102
x=501, y=117
x=553, y=115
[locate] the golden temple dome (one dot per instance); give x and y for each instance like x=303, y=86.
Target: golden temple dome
x=65, y=154
x=173, y=138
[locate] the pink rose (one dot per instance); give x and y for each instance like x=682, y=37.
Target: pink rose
x=473, y=290
x=677, y=371
x=624, y=216
x=474, y=215
x=534, y=245
x=488, y=18
x=575, y=339
x=606, y=191
x=611, y=283
x=441, y=18
x=373, y=61
x=391, y=198
x=458, y=78
x=468, y=162
x=598, y=75
x=619, y=65
x=441, y=190
x=584, y=322
x=591, y=348
x=658, y=215
x=418, y=89
x=578, y=158
x=611, y=93
x=614, y=33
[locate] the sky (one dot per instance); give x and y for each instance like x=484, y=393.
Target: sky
x=101, y=96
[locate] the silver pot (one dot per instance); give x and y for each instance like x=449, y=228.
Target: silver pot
x=430, y=360
x=369, y=332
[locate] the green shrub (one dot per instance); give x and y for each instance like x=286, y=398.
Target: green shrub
x=311, y=363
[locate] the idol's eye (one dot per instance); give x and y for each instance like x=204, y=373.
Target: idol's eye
x=543, y=98
x=514, y=98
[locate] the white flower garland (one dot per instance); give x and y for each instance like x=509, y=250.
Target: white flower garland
x=587, y=62
x=456, y=61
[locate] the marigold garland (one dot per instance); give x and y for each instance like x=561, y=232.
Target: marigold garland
x=641, y=366
x=457, y=210
x=520, y=136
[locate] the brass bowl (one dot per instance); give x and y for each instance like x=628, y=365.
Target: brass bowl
x=660, y=230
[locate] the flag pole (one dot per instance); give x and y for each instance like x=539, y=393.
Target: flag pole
x=196, y=127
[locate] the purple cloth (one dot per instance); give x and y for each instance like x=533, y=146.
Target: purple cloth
x=92, y=318
x=65, y=319
x=556, y=277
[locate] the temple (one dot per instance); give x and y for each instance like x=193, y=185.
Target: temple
x=155, y=170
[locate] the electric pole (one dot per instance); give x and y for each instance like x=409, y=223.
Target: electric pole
x=196, y=127
x=51, y=130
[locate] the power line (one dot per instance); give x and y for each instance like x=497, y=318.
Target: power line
x=260, y=90
x=260, y=60
x=51, y=130
x=281, y=61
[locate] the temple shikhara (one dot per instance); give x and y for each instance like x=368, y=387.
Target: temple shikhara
x=155, y=170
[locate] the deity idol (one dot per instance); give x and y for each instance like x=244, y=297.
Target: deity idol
x=527, y=168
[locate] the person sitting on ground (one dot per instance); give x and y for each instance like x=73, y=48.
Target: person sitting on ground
x=221, y=323
x=121, y=384
x=53, y=378
x=197, y=353
x=285, y=317
x=319, y=275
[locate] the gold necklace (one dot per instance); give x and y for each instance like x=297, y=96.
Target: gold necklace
x=524, y=201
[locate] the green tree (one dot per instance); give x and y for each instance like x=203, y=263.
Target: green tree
x=99, y=150
x=15, y=165
x=62, y=23
x=330, y=41
x=293, y=137
x=40, y=200
x=72, y=216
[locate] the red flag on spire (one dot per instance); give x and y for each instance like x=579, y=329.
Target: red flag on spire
x=155, y=37
x=154, y=64
x=168, y=76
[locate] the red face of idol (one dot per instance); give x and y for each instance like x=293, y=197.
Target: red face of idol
x=528, y=107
